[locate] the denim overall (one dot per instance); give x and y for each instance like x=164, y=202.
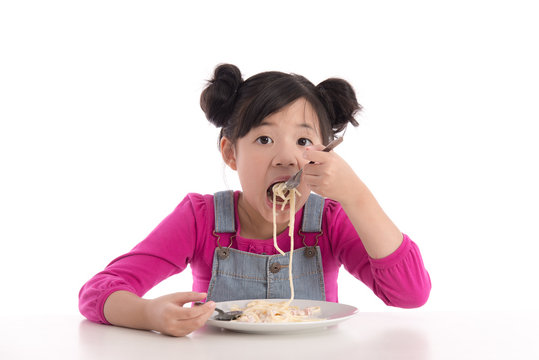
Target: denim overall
x=240, y=275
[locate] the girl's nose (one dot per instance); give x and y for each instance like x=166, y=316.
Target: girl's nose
x=286, y=156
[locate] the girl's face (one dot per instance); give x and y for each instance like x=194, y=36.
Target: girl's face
x=272, y=153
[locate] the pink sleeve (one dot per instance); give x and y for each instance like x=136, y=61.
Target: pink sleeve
x=399, y=279
x=165, y=251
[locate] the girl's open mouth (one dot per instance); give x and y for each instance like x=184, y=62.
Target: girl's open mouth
x=269, y=193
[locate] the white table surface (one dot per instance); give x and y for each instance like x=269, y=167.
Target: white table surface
x=389, y=335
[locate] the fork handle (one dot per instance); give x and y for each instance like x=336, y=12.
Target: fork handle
x=332, y=145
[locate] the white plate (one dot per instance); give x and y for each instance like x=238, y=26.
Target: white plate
x=332, y=313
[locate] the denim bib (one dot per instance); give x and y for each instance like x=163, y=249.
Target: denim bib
x=240, y=275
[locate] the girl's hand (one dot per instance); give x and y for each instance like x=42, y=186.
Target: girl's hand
x=167, y=315
x=330, y=176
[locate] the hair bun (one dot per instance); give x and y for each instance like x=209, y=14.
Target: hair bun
x=339, y=99
x=218, y=98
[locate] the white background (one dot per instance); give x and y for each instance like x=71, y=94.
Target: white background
x=102, y=135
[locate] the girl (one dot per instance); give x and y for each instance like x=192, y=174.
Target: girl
x=272, y=124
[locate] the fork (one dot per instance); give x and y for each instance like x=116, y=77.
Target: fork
x=223, y=315
x=294, y=181
x=227, y=315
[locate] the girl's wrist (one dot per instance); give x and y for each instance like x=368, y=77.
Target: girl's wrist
x=354, y=195
x=147, y=314
x=124, y=308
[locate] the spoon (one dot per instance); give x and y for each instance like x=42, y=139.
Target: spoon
x=294, y=181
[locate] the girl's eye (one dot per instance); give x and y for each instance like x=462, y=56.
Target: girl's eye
x=304, y=142
x=264, y=140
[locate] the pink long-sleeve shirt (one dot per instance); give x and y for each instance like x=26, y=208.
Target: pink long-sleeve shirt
x=186, y=237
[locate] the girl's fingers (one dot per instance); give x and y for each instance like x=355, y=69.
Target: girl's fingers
x=315, y=171
x=187, y=320
x=317, y=147
x=167, y=314
x=186, y=313
x=182, y=298
x=206, y=315
x=315, y=153
x=187, y=326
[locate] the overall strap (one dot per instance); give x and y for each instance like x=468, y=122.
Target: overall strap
x=312, y=214
x=223, y=202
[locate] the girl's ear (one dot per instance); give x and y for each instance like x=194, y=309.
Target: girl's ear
x=228, y=152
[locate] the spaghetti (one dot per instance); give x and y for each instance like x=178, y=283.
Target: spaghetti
x=265, y=311
x=262, y=311
x=282, y=191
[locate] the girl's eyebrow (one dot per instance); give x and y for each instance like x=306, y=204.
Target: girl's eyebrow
x=306, y=126
x=301, y=125
x=266, y=123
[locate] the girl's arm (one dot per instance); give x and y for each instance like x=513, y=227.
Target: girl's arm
x=135, y=272
x=166, y=251
x=399, y=279
x=165, y=314
x=378, y=233
x=332, y=177
x=381, y=256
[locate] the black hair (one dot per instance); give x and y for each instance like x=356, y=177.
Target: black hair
x=237, y=106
